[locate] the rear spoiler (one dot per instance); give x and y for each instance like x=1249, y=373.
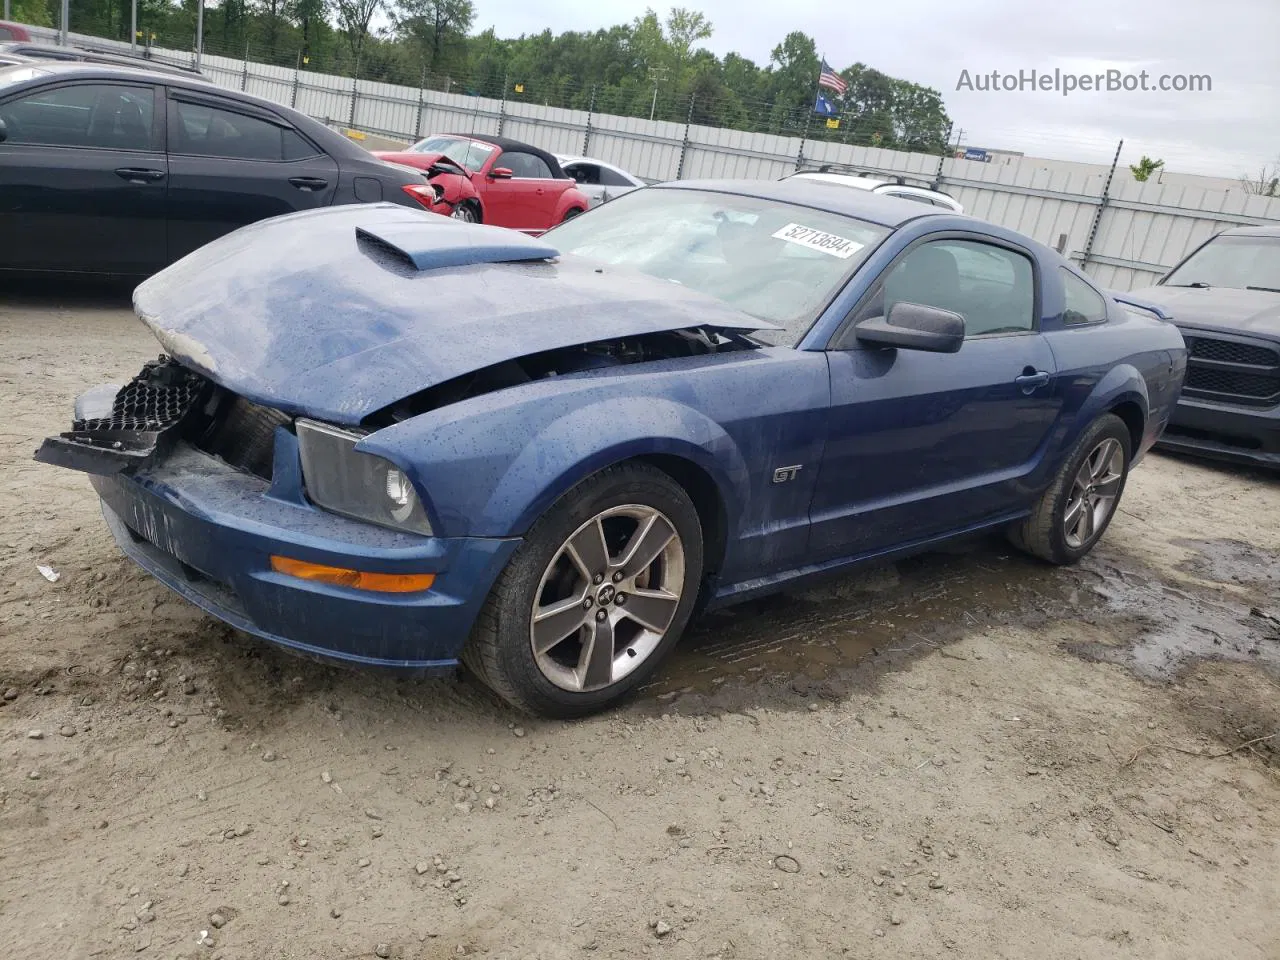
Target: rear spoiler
x=1144, y=305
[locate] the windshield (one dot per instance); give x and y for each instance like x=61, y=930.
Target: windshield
x=775, y=261
x=1239, y=262
x=465, y=153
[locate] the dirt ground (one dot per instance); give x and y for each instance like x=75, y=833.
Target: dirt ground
x=964, y=755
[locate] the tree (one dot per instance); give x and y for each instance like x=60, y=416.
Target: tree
x=684, y=29
x=430, y=24
x=354, y=17
x=1144, y=168
x=1265, y=184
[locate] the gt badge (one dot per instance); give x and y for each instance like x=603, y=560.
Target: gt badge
x=783, y=474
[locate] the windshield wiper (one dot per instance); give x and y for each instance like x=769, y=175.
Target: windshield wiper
x=1198, y=285
x=1268, y=289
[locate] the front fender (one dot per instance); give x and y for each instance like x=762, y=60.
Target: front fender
x=571, y=448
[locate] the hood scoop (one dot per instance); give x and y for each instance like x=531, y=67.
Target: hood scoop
x=441, y=242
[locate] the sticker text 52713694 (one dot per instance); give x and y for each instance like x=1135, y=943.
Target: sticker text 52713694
x=820, y=240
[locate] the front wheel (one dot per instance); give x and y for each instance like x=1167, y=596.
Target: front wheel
x=594, y=598
x=466, y=212
x=1075, y=511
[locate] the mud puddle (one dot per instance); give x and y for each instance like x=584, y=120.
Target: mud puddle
x=1155, y=626
x=1232, y=615
x=912, y=606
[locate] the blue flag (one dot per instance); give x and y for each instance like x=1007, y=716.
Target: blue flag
x=824, y=107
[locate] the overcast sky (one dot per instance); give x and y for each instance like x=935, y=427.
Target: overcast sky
x=1230, y=131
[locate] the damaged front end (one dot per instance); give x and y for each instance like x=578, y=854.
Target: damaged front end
x=117, y=430
x=122, y=430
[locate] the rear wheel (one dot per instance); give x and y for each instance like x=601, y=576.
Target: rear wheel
x=594, y=598
x=570, y=214
x=1076, y=510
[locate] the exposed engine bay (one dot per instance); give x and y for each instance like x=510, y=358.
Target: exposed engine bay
x=668, y=345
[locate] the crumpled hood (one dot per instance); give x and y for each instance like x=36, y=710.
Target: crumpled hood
x=298, y=314
x=1223, y=309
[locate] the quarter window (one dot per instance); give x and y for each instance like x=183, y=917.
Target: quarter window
x=200, y=130
x=992, y=287
x=1084, y=304
x=106, y=116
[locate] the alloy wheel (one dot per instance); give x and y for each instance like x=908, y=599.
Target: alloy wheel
x=1093, y=493
x=607, y=598
x=464, y=213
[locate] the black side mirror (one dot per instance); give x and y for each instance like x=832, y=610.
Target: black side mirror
x=4, y=130
x=914, y=326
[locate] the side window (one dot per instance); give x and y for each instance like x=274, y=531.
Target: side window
x=1084, y=304
x=611, y=178
x=200, y=130
x=525, y=166
x=992, y=287
x=106, y=116
x=587, y=173
x=296, y=146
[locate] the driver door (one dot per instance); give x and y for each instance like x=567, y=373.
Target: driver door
x=515, y=201
x=926, y=444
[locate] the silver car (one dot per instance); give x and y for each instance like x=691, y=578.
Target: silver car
x=598, y=180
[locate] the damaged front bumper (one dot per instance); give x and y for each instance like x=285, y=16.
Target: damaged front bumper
x=208, y=531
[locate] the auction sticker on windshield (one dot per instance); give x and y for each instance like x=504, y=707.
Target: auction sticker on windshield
x=819, y=240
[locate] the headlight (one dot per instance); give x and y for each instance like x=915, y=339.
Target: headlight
x=357, y=485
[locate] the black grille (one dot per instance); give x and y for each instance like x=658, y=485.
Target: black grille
x=243, y=434
x=1233, y=370
x=1229, y=351
x=156, y=398
x=1251, y=386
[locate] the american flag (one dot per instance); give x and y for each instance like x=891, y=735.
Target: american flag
x=831, y=80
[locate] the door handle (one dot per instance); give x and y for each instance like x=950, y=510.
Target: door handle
x=309, y=183
x=139, y=174
x=1031, y=379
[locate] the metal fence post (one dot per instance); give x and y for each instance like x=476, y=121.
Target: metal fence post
x=684, y=146
x=803, y=137
x=586, y=135
x=297, y=70
x=244, y=75
x=355, y=94
x=1102, y=206
x=422, y=94
x=502, y=105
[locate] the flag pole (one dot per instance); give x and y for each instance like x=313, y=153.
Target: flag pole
x=808, y=114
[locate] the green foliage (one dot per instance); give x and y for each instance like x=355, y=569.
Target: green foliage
x=654, y=64
x=1144, y=168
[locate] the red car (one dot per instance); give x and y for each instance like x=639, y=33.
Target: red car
x=13, y=31
x=491, y=180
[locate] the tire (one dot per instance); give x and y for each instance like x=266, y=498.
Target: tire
x=570, y=214
x=1097, y=468
x=466, y=212
x=524, y=663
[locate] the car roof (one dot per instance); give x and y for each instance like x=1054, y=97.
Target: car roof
x=72, y=53
x=1255, y=230
x=844, y=179
x=506, y=143
x=832, y=197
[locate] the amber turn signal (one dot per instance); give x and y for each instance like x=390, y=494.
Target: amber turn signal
x=356, y=579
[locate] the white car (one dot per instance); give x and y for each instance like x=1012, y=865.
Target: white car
x=598, y=180
x=887, y=187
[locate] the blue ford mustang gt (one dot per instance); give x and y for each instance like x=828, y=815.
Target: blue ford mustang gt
x=388, y=438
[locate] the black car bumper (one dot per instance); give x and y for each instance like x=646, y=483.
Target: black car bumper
x=1225, y=432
